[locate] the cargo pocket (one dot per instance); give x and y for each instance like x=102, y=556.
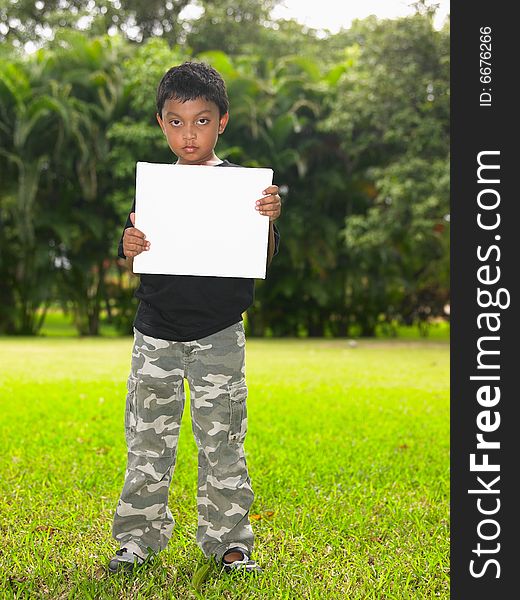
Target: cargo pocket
x=130, y=410
x=238, y=411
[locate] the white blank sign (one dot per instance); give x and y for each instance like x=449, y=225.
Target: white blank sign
x=201, y=220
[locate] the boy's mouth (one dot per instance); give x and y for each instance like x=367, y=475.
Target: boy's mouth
x=190, y=148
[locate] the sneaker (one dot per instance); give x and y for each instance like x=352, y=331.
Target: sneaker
x=245, y=564
x=125, y=561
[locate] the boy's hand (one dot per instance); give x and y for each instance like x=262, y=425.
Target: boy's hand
x=271, y=204
x=134, y=241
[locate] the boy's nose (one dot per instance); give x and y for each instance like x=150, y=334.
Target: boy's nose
x=189, y=134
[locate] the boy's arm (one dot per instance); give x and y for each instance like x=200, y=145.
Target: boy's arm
x=133, y=239
x=273, y=242
x=270, y=205
x=128, y=260
x=129, y=264
x=120, y=251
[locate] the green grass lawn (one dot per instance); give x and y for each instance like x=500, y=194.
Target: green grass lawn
x=348, y=452
x=57, y=324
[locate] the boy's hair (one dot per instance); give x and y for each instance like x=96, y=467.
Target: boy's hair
x=192, y=80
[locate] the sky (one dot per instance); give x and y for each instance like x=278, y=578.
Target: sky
x=335, y=14
x=332, y=15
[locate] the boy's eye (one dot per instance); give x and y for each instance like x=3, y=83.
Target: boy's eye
x=175, y=122
x=203, y=121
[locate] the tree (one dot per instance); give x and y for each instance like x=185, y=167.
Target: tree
x=358, y=140
x=37, y=20
x=34, y=121
x=230, y=26
x=391, y=115
x=83, y=215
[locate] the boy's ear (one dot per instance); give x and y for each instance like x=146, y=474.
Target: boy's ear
x=159, y=120
x=223, y=121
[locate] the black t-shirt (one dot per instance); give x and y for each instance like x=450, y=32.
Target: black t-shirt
x=184, y=307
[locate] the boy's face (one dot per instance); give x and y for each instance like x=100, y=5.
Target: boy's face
x=192, y=129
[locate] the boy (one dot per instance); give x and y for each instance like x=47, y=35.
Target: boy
x=189, y=327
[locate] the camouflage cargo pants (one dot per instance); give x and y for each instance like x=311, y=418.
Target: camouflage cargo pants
x=214, y=367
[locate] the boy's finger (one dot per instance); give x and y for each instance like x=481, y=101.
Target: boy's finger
x=133, y=250
x=132, y=218
x=270, y=213
x=272, y=189
x=267, y=197
x=267, y=200
x=269, y=203
x=133, y=232
x=137, y=241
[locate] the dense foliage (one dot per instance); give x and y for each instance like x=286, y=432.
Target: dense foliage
x=355, y=126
